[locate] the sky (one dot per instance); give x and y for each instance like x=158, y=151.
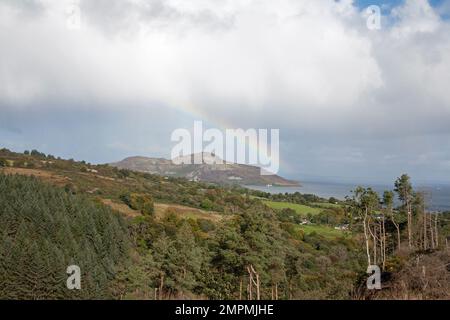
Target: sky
x=351, y=103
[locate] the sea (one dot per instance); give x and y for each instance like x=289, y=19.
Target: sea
x=437, y=195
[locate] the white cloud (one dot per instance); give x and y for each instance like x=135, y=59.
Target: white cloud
x=221, y=58
x=304, y=66
x=310, y=56
x=415, y=16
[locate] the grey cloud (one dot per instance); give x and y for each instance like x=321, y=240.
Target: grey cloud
x=115, y=17
x=347, y=100
x=26, y=8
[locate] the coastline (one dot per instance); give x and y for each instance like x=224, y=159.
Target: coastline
x=438, y=195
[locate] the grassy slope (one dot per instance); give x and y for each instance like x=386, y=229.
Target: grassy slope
x=62, y=172
x=299, y=208
x=325, y=231
x=185, y=212
x=326, y=205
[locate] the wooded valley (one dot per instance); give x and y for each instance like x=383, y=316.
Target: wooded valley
x=141, y=236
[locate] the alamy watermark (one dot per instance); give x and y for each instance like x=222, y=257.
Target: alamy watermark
x=74, y=279
x=73, y=15
x=373, y=16
x=374, y=279
x=213, y=146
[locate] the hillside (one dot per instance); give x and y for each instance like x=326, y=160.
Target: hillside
x=143, y=236
x=43, y=230
x=225, y=173
x=187, y=239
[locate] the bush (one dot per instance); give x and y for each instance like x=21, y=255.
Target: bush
x=206, y=204
x=205, y=225
x=142, y=202
x=37, y=153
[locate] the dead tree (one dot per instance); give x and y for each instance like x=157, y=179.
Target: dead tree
x=409, y=210
x=383, y=241
x=425, y=244
x=366, y=236
x=275, y=291
x=436, y=216
x=240, y=290
x=397, y=227
x=161, y=285
x=253, y=282
x=374, y=242
x=432, y=231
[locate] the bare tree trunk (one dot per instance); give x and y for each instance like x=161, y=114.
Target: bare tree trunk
x=436, y=229
x=290, y=290
x=252, y=282
x=380, y=236
x=161, y=284
x=384, y=243
x=409, y=224
x=432, y=232
x=240, y=290
x=397, y=227
x=258, y=297
x=425, y=244
x=276, y=291
x=366, y=236
x=374, y=241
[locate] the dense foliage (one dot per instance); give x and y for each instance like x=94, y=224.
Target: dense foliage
x=295, y=197
x=43, y=230
x=181, y=260
x=185, y=239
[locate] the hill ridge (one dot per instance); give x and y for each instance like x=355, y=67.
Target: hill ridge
x=221, y=171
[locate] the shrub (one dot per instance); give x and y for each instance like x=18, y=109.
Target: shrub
x=205, y=225
x=142, y=202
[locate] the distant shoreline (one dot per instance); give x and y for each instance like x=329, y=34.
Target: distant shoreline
x=439, y=195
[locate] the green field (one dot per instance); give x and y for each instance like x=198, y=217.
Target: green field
x=299, y=208
x=326, y=205
x=325, y=231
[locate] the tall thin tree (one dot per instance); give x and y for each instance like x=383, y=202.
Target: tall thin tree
x=388, y=202
x=405, y=192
